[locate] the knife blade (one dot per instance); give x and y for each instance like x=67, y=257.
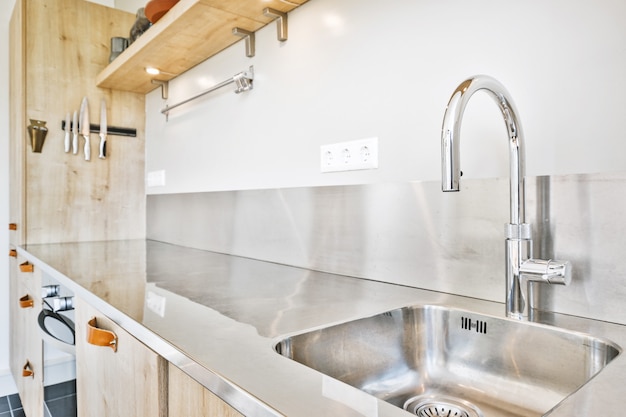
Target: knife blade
x=103, y=130
x=84, y=127
x=75, y=133
x=66, y=141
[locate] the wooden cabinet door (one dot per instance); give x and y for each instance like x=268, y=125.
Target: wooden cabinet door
x=17, y=125
x=190, y=399
x=128, y=381
x=26, y=349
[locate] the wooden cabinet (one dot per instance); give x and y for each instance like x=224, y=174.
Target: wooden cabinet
x=17, y=126
x=57, y=47
x=190, y=399
x=191, y=32
x=130, y=380
x=26, y=349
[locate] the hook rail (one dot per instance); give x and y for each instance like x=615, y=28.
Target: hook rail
x=242, y=81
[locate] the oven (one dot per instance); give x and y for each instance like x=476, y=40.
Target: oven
x=56, y=325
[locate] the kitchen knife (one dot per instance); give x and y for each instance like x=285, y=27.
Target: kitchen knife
x=75, y=133
x=84, y=127
x=103, y=130
x=66, y=141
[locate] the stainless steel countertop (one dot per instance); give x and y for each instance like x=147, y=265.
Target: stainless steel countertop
x=223, y=314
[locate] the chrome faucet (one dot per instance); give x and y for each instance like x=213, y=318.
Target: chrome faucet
x=521, y=270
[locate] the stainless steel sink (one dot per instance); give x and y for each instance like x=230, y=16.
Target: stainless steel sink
x=434, y=360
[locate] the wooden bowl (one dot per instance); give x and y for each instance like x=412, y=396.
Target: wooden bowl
x=155, y=9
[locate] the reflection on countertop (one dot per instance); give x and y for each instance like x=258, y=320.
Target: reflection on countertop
x=218, y=316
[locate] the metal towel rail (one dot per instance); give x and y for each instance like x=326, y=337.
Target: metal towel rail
x=242, y=81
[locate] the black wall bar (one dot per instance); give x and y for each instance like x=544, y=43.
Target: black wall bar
x=111, y=130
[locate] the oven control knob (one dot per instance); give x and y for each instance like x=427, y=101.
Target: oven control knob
x=50, y=291
x=62, y=304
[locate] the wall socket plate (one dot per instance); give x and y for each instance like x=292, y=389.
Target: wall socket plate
x=349, y=156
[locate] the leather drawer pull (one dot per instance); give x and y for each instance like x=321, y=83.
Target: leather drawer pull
x=12, y=226
x=26, y=267
x=27, y=371
x=100, y=337
x=27, y=302
x=13, y=253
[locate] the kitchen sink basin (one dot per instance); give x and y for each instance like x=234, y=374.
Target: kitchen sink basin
x=434, y=360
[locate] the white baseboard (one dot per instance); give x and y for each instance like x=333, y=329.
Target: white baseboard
x=7, y=384
x=59, y=370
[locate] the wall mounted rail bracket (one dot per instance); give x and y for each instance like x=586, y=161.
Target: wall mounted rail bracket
x=164, y=88
x=250, y=40
x=242, y=81
x=281, y=22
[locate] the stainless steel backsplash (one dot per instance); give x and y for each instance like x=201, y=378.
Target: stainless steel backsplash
x=413, y=234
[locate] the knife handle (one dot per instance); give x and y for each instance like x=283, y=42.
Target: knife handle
x=75, y=143
x=103, y=146
x=66, y=142
x=87, y=148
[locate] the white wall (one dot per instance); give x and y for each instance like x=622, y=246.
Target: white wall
x=353, y=69
x=108, y=3
x=129, y=5
x=6, y=382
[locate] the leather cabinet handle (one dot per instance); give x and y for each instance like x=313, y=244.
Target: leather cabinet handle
x=12, y=226
x=27, y=302
x=26, y=267
x=27, y=371
x=13, y=253
x=100, y=337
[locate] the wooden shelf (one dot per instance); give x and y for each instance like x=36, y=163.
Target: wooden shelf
x=191, y=32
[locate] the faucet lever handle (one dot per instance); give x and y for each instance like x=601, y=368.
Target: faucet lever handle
x=550, y=271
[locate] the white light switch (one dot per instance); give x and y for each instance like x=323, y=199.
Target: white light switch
x=155, y=178
x=155, y=303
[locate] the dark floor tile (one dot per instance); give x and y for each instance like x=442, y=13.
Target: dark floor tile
x=19, y=413
x=14, y=401
x=4, y=405
x=63, y=407
x=59, y=390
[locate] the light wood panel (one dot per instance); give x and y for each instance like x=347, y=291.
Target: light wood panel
x=17, y=124
x=190, y=399
x=67, y=198
x=131, y=381
x=25, y=343
x=191, y=32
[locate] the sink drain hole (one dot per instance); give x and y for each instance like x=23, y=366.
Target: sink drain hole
x=435, y=406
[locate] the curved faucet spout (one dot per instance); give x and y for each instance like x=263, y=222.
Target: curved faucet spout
x=520, y=268
x=451, y=136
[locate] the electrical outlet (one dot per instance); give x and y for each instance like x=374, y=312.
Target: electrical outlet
x=349, y=156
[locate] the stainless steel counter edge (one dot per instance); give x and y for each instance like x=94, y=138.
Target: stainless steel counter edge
x=602, y=395
x=243, y=401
